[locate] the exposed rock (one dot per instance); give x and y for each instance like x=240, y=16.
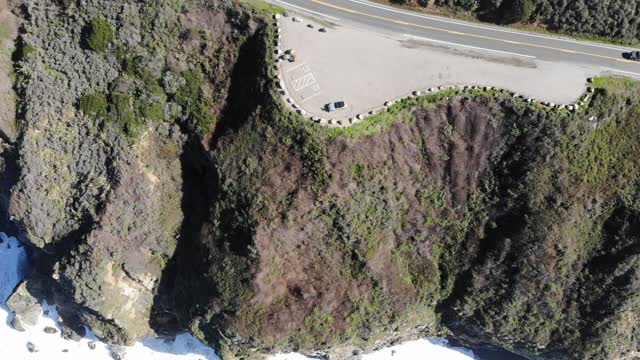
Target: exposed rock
x=25, y=306
x=117, y=352
x=31, y=347
x=114, y=273
x=73, y=331
x=50, y=330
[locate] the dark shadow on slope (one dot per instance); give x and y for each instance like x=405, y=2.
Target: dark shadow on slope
x=611, y=277
x=182, y=285
x=250, y=86
x=8, y=178
x=487, y=352
x=185, y=288
x=487, y=11
x=501, y=245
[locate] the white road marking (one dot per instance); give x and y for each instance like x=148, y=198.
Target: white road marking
x=307, y=10
x=468, y=46
x=295, y=67
x=303, y=81
x=491, y=28
x=311, y=97
x=621, y=71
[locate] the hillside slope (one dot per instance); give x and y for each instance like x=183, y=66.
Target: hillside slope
x=162, y=186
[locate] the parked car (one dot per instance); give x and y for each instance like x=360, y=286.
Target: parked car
x=632, y=55
x=333, y=106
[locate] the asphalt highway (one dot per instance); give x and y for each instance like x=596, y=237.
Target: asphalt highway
x=455, y=33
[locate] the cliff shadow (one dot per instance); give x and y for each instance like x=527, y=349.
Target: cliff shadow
x=250, y=85
x=182, y=279
x=184, y=290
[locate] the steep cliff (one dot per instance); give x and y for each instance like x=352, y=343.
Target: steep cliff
x=473, y=214
x=117, y=101
x=162, y=186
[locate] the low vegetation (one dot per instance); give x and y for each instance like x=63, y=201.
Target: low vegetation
x=100, y=34
x=94, y=105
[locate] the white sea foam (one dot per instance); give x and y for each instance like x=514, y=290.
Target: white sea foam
x=13, y=344
x=425, y=349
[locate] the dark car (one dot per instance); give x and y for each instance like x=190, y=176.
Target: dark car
x=632, y=55
x=333, y=106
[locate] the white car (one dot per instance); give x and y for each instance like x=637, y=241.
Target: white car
x=333, y=106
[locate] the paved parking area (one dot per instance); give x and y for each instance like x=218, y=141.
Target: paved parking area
x=302, y=82
x=367, y=68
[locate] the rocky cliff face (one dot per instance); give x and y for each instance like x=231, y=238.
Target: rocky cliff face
x=163, y=187
x=99, y=187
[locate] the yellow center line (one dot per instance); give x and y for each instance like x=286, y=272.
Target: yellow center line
x=469, y=35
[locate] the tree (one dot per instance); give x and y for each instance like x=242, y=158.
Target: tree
x=513, y=11
x=100, y=34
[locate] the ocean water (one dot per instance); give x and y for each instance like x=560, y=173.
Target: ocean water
x=14, y=344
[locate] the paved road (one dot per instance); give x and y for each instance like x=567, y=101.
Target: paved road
x=457, y=33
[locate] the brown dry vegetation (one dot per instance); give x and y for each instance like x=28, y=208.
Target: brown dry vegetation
x=475, y=209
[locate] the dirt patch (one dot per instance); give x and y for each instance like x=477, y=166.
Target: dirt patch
x=368, y=229
x=9, y=24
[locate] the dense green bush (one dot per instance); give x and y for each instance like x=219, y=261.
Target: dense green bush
x=94, y=105
x=153, y=112
x=513, y=11
x=100, y=34
x=194, y=102
x=123, y=109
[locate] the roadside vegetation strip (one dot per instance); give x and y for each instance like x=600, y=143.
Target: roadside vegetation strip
x=384, y=117
x=617, y=84
x=264, y=7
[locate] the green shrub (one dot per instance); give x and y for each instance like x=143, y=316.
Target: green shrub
x=317, y=329
x=125, y=110
x=194, y=102
x=513, y=11
x=27, y=50
x=94, y=105
x=128, y=64
x=153, y=112
x=100, y=34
